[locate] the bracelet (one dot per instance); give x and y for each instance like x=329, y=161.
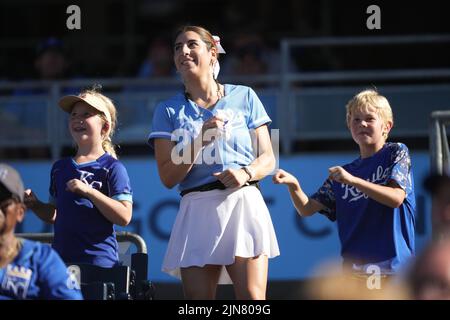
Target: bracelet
x=250, y=172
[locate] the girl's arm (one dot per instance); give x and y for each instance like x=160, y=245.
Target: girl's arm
x=304, y=205
x=390, y=195
x=117, y=212
x=45, y=211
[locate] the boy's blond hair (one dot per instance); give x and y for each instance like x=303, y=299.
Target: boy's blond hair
x=370, y=98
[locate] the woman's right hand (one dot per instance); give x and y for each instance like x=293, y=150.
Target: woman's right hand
x=212, y=129
x=284, y=177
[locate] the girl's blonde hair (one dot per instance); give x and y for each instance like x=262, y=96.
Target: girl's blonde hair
x=107, y=144
x=370, y=98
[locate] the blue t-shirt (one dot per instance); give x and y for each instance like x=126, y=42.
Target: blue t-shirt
x=82, y=233
x=180, y=120
x=370, y=232
x=37, y=273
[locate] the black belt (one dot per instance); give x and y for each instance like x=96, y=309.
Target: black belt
x=216, y=185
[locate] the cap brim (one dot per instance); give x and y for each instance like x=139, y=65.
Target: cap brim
x=66, y=103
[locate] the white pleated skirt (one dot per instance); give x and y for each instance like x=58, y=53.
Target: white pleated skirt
x=213, y=227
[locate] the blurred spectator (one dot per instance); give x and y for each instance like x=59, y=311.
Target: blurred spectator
x=138, y=101
x=158, y=62
x=439, y=187
x=28, y=269
x=26, y=116
x=51, y=62
x=430, y=277
x=251, y=55
x=332, y=282
x=248, y=56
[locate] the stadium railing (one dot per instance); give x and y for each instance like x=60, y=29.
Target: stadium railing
x=311, y=112
x=439, y=147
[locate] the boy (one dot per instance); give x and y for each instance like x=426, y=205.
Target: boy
x=372, y=198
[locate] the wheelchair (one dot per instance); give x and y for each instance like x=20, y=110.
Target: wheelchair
x=128, y=281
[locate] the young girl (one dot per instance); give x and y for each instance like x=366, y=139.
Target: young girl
x=90, y=192
x=372, y=198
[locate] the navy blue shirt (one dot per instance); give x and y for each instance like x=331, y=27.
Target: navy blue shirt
x=37, y=273
x=370, y=232
x=82, y=233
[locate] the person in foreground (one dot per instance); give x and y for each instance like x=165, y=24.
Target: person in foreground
x=28, y=269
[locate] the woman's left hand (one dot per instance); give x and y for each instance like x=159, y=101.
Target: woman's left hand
x=232, y=178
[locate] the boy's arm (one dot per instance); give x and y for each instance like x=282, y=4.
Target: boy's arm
x=304, y=205
x=391, y=195
x=45, y=211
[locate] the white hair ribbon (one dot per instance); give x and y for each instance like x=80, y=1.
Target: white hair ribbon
x=216, y=68
x=218, y=45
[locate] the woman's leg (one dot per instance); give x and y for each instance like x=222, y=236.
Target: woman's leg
x=200, y=283
x=249, y=277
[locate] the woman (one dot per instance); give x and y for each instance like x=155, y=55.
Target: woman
x=213, y=141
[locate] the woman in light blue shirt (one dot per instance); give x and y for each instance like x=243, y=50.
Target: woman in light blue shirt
x=213, y=142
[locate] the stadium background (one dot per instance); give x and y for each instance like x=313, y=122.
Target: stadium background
x=410, y=67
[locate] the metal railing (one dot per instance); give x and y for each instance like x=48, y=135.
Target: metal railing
x=301, y=112
x=122, y=236
x=287, y=78
x=439, y=147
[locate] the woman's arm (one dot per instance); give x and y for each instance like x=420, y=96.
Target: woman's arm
x=170, y=173
x=172, y=166
x=263, y=164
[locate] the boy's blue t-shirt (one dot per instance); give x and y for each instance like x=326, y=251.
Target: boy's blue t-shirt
x=370, y=232
x=82, y=233
x=179, y=119
x=37, y=273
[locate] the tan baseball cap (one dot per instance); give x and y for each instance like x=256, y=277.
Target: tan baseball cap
x=67, y=102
